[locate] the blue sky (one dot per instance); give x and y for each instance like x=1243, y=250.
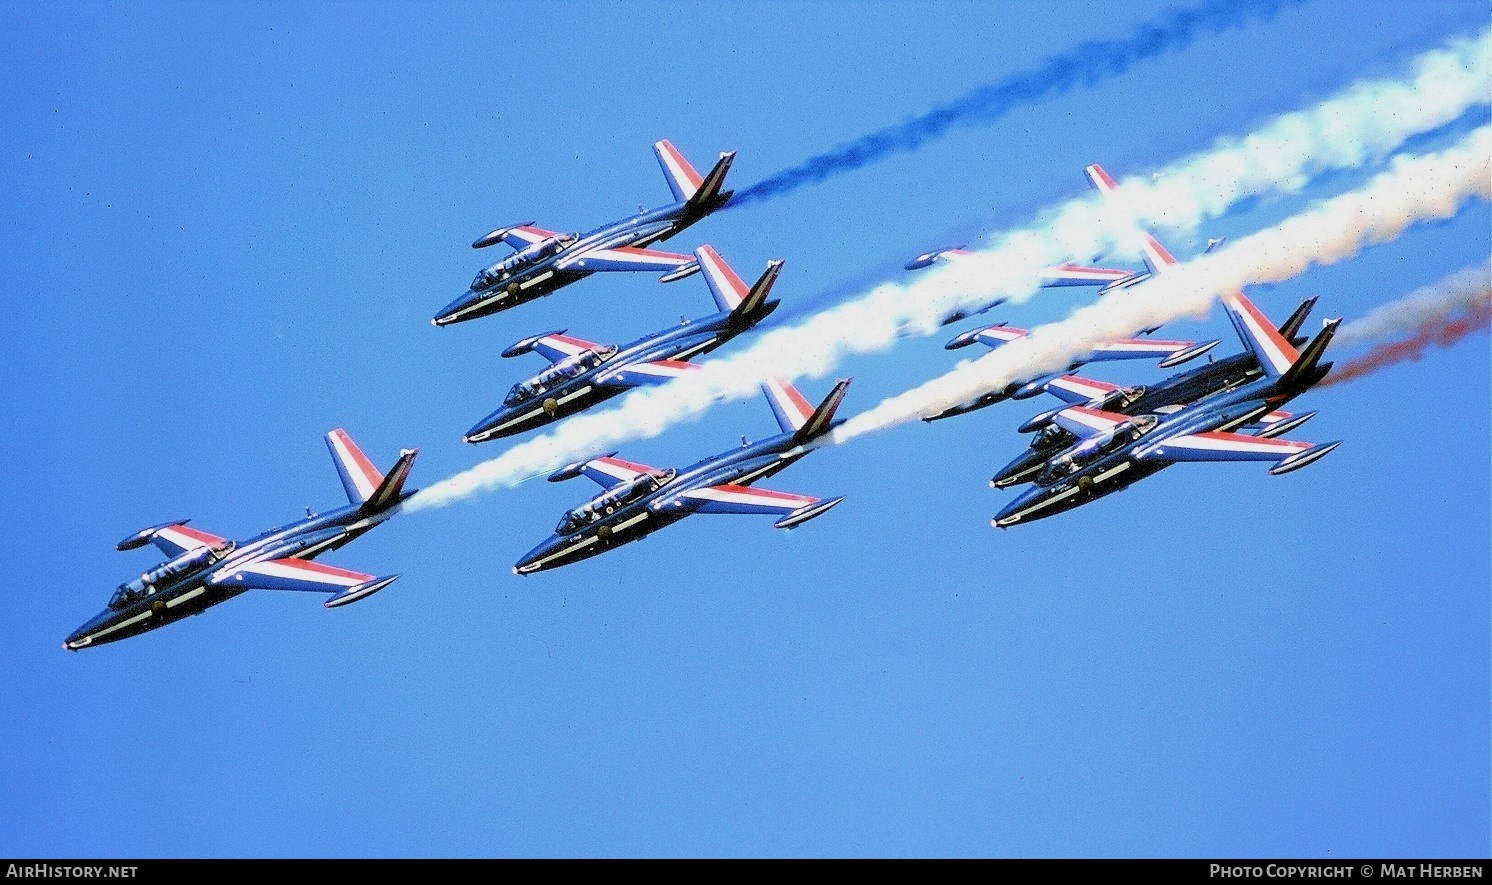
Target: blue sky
x=227, y=226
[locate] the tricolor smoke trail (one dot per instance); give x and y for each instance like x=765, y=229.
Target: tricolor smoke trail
x=1414, y=189
x=1083, y=65
x=1436, y=315
x=1361, y=125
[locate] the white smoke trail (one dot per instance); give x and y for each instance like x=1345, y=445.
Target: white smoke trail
x=1363, y=123
x=1460, y=292
x=1413, y=189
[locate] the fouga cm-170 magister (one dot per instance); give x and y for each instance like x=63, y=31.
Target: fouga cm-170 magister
x=546, y=260
x=206, y=569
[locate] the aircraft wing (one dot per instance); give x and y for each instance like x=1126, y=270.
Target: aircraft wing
x=519, y=236
x=1086, y=423
x=733, y=498
x=1077, y=275
x=1137, y=349
x=345, y=585
x=294, y=574
x=611, y=471
x=1076, y=389
x=555, y=346
x=623, y=258
x=1223, y=446
x=652, y=372
x=174, y=540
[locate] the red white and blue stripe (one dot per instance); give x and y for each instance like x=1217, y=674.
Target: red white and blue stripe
x=1077, y=389
x=612, y=471
x=175, y=540
x=683, y=180
x=788, y=405
x=732, y=498
x=1275, y=354
x=359, y=477
x=725, y=285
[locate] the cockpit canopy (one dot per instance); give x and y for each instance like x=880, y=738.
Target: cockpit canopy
x=1095, y=447
x=183, y=565
x=560, y=372
x=612, y=499
x=525, y=256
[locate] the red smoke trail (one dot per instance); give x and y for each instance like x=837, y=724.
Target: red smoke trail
x=1441, y=331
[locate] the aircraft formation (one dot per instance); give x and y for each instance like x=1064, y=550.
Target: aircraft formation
x=1103, y=438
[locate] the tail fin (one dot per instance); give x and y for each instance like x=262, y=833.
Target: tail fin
x=1290, y=328
x=730, y=292
x=683, y=179
x=1308, y=368
x=365, y=484
x=702, y=194
x=1158, y=259
x=391, y=490
x=796, y=416
x=1276, y=355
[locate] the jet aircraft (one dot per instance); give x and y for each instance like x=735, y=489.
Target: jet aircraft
x=583, y=373
x=1158, y=260
x=1172, y=353
x=1115, y=450
x=1166, y=396
x=546, y=260
x=639, y=500
x=206, y=569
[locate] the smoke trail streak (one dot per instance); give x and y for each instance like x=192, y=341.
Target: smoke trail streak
x=1361, y=124
x=1084, y=65
x=1439, y=314
x=1414, y=189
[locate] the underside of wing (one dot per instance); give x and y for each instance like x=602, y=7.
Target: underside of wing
x=294, y=574
x=303, y=575
x=732, y=498
x=1137, y=349
x=653, y=372
x=1077, y=275
x=1222, y=446
x=624, y=258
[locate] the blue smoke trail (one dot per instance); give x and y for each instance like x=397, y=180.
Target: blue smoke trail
x=1083, y=65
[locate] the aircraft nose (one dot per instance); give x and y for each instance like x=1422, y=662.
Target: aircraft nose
x=486, y=428
x=449, y=314
x=540, y=557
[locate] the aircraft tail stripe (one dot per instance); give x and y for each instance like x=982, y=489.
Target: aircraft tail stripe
x=1101, y=179
x=791, y=409
x=393, y=484
x=359, y=477
x=683, y=180
x=1157, y=257
x=1273, y=351
x=728, y=288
